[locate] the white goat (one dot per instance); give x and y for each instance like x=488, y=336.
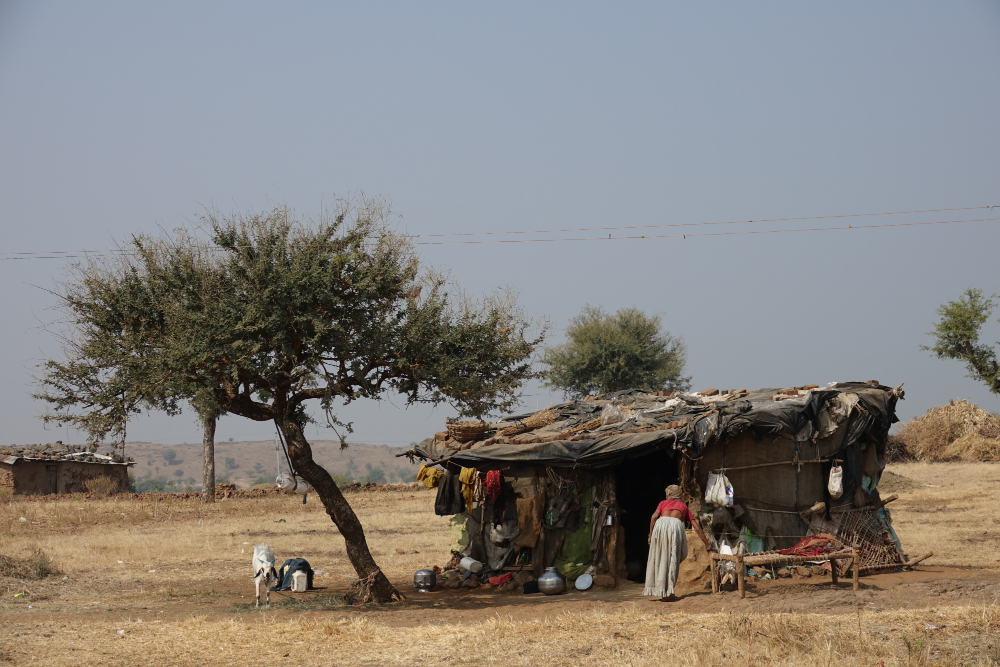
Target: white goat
x=263, y=570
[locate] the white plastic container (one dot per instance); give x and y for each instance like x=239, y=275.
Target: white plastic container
x=471, y=565
x=300, y=581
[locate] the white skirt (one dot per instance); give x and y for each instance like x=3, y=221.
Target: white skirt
x=667, y=548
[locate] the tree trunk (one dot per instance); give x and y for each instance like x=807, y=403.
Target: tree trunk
x=339, y=510
x=208, y=471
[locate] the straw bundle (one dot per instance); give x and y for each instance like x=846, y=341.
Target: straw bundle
x=537, y=420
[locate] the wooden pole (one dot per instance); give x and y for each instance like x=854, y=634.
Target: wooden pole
x=856, y=566
x=833, y=570
x=715, y=573
x=914, y=561
x=741, y=576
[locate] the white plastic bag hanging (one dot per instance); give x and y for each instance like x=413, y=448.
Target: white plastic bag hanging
x=836, y=484
x=718, y=490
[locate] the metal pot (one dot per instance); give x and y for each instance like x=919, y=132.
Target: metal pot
x=551, y=582
x=424, y=580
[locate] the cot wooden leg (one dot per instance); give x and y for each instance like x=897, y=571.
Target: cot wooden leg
x=833, y=570
x=741, y=576
x=715, y=576
x=856, y=567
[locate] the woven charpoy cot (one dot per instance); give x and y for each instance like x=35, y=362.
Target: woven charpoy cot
x=776, y=558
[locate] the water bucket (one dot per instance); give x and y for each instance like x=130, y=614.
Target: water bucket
x=300, y=581
x=470, y=564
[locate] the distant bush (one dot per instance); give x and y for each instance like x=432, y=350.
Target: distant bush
x=148, y=484
x=170, y=456
x=35, y=566
x=101, y=487
x=341, y=480
x=231, y=463
x=263, y=479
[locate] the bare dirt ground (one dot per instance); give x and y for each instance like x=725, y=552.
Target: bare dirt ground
x=168, y=581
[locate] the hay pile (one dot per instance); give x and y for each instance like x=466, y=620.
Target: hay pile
x=960, y=430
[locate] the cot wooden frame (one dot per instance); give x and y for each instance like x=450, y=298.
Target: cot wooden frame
x=774, y=558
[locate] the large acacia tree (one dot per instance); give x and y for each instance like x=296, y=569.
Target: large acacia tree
x=261, y=315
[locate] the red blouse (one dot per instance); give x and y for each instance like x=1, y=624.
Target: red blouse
x=673, y=504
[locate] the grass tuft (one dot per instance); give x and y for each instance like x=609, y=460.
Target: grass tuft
x=35, y=566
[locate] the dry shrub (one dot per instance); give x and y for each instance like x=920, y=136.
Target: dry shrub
x=102, y=487
x=958, y=430
x=35, y=566
x=896, y=450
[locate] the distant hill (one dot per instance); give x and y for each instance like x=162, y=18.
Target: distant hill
x=242, y=463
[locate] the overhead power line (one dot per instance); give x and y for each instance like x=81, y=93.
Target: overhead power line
x=696, y=224
x=78, y=254
x=684, y=235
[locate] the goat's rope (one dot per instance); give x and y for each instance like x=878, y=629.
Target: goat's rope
x=360, y=591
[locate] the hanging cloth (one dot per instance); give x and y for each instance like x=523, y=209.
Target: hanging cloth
x=494, y=484
x=429, y=475
x=468, y=479
x=449, y=497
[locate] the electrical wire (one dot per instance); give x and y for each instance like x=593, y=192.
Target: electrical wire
x=77, y=254
x=695, y=224
x=685, y=235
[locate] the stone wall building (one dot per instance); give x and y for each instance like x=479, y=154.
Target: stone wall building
x=49, y=469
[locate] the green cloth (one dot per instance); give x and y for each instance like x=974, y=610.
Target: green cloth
x=575, y=557
x=460, y=537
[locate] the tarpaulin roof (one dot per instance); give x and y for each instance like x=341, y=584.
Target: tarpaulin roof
x=600, y=432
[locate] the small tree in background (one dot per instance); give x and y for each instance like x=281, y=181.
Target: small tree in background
x=627, y=350
x=957, y=336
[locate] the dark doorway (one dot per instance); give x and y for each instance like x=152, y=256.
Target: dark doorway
x=51, y=479
x=641, y=482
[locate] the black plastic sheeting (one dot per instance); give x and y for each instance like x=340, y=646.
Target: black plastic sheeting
x=596, y=453
x=869, y=421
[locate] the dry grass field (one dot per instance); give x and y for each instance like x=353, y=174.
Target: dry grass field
x=168, y=582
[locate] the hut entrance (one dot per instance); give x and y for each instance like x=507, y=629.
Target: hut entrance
x=641, y=482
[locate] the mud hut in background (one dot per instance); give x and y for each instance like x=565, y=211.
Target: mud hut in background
x=573, y=486
x=58, y=468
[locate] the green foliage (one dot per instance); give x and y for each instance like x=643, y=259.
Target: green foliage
x=170, y=456
x=374, y=474
x=231, y=463
x=256, y=315
x=263, y=479
x=627, y=350
x=341, y=480
x=957, y=335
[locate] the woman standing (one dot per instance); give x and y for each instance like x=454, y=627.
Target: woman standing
x=668, y=544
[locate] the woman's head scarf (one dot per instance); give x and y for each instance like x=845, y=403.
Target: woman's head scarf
x=673, y=492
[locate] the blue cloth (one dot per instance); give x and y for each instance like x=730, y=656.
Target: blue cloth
x=289, y=567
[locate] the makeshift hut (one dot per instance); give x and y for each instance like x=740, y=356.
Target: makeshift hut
x=573, y=486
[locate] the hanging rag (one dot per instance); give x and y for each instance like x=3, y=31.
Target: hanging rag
x=429, y=475
x=494, y=484
x=449, y=497
x=468, y=479
x=529, y=520
x=500, y=503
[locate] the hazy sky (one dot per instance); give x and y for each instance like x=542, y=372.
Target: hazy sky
x=125, y=117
